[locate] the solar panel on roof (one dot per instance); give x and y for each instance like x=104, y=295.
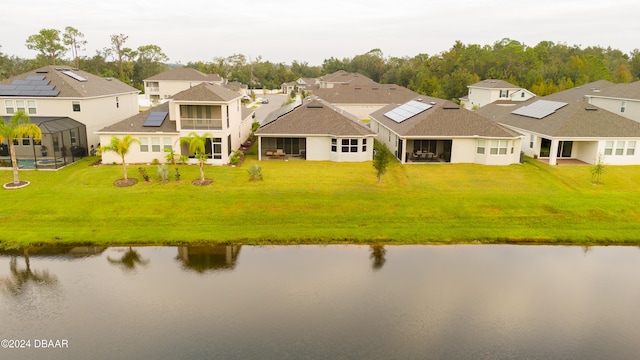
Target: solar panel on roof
x=155, y=118
x=35, y=77
x=49, y=92
x=407, y=110
x=539, y=109
x=73, y=75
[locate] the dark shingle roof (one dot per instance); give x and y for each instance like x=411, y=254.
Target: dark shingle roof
x=207, y=92
x=315, y=117
x=444, y=119
x=494, y=84
x=576, y=119
x=184, y=74
x=135, y=123
x=369, y=94
x=94, y=86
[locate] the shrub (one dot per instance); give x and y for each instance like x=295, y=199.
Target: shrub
x=163, y=172
x=143, y=173
x=255, y=173
x=177, y=175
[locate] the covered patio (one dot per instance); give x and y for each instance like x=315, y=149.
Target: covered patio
x=64, y=141
x=428, y=151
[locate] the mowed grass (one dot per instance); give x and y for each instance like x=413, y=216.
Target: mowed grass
x=325, y=202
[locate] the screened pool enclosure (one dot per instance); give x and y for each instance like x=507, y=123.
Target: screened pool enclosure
x=64, y=141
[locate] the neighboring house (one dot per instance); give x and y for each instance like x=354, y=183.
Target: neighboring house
x=363, y=100
x=342, y=77
x=621, y=99
x=564, y=126
x=488, y=91
x=58, y=91
x=202, y=109
x=168, y=83
x=306, y=84
x=314, y=130
x=428, y=130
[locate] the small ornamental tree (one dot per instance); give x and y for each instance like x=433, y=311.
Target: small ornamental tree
x=19, y=126
x=381, y=158
x=120, y=147
x=197, y=146
x=597, y=170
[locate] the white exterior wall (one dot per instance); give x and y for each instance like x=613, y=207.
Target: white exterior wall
x=319, y=149
x=623, y=159
x=465, y=151
x=585, y=151
x=361, y=111
x=632, y=109
x=167, y=88
x=480, y=97
x=135, y=156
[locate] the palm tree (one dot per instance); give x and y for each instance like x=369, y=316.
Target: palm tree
x=20, y=278
x=121, y=147
x=20, y=126
x=197, y=146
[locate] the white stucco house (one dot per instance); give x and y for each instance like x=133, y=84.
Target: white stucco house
x=564, y=126
x=363, y=100
x=429, y=130
x=203, y=109
x=621, y=99
x=314, y=130
x=163, y=86
x=64, y=92
x=488, y=91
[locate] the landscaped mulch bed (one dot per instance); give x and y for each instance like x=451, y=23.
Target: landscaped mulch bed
x=125, y=183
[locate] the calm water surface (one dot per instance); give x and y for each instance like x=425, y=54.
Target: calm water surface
x=323, y=302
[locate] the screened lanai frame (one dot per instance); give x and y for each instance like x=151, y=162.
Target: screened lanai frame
x=63, y=142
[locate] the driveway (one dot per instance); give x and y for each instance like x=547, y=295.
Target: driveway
x=275, y=101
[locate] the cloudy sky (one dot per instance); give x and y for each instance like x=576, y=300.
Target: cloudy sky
x=312, y=31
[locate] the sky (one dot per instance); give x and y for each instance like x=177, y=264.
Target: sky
x=283, y=31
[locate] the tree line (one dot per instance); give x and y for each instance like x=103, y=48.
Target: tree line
x=545, y=68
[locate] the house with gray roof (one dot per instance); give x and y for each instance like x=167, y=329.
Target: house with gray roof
x=164, y=85
x=314, y=130
x=362, y=100
x=564, y=126
x=431, y=130
x=342, y=77
x=488, y=91
x=64, y=92
x=622, y=99
x=204, y=109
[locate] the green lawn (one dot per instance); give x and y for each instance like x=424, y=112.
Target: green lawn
x=324, y=202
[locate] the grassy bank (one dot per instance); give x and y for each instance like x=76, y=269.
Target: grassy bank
x=323, y=202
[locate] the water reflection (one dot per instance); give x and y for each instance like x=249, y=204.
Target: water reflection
x=19, y=279
x=378, y=256
x=129, y=260
x=203, y=258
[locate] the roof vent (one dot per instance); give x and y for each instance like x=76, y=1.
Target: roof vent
x=451, y=107
x=591, y=109
x=432, y=103
x=419, y=100
x=108, y=79
x=315, y=106
x=42, y=71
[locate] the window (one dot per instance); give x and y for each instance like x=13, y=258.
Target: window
x=631, y=148
x=144, y=144
x=608, y=148
x=117, y=103
x=20, y=105
x=345, y=145
x=532, y=139
x=334, y=145
x=167, y=144
x=522, y=94
x=623, y=106
x=76, y=106
x=155, y=144
x=619, y=147
x=217, y=148
x=498, y=147
x=8, y=104
x=364, y=145
x=504, y=93
x=74, y=139
x=354, y=145
x=31, y=104
x=349, y=145
x=481, y=146
x=26, y=141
